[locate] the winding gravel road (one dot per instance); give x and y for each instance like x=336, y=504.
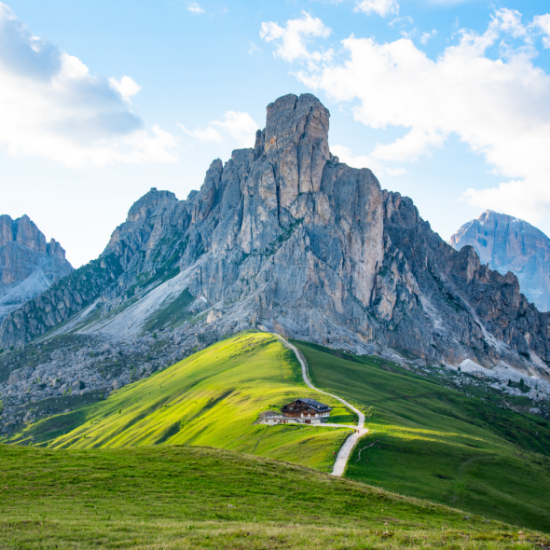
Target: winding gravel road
x=351, y=441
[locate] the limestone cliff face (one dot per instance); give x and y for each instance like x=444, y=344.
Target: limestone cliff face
x=473, y=312
x=285, y=237
x=28, y=264
x=510, y=244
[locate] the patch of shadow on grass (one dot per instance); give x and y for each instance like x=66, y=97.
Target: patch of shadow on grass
x=168, y=433
x=443, y=476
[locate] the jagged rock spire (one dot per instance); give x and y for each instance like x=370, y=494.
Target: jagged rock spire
x=296, y=140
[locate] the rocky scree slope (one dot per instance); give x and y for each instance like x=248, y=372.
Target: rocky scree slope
x=66, y=372
x=28, y=264
x=507, y=244
x=287, y=238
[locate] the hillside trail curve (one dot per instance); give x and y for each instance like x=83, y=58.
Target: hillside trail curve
x=359, y=431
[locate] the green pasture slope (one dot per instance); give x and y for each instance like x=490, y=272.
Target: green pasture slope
x=211, y=398
x=98, y=467
x=186, y=497
x=435, y=443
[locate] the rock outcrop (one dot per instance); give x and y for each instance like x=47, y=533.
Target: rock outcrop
x=507, y=244
x=28, y=264
x=285, y=237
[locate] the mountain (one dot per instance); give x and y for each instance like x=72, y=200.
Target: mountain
x=28, y=264
x=282, y=237
x=510, y=244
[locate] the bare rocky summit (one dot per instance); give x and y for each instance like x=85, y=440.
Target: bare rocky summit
x=283, y=237
x=28, y=264
x=507, y=244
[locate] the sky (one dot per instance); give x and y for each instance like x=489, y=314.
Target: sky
x=447, y=101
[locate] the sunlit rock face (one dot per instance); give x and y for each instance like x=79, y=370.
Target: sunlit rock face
x=28, y=264
x=507, y=244
x=285, y=237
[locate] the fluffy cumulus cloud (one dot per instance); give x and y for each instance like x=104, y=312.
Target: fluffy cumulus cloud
x=239, y=126
x=126, y=86
x=292, y=40
x=346, y=155
x=381, y=7
x=498, y=104
x=51, y=106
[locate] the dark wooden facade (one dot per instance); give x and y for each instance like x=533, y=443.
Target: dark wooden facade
x=307, y=409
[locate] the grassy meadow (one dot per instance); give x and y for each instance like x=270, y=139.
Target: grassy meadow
x=211, y=398
x=435, y=443
x=177, y=461
x=185, y=497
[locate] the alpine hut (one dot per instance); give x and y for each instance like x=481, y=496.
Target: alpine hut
x=301, y=411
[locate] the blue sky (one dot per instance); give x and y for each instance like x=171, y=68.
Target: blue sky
x=447, y=101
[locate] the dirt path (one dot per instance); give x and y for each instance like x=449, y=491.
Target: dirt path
x=351, y=441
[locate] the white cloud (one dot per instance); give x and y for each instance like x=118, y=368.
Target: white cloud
x=126, y=86
x=414, y=144
x=345, y=155
x=207, y=134
x=239, y=126
x=409, y=34
x=381, y=7
x=543, y=23
x=401, y=21
x=194, y=8
x=51, y=106
x=293, y=38
x=499, y=106
x=508, y=21
x=425, y=38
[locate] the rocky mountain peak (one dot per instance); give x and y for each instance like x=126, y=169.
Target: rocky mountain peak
x=467, y=264
x=506, y=243
x=298, y=120
x=23, y=231
x=28, y=264
x=295, y=140
x=283, y=236
x=53, y=248
x=144, y=206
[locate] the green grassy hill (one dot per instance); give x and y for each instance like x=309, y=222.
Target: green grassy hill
x=425, y=441
x=172, y=497
x=436, y=443
x=211, y=398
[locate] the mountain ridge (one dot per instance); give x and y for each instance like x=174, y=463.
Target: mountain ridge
x=28, y=264
x=511, y=244
x=285, y=237
x=290, y=214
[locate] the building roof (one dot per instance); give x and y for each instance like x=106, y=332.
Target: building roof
x=314, y=404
